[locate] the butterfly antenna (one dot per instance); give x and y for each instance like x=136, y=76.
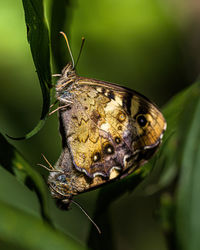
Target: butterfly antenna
x=70, y=52
x=78, y=205
x=43, y=166
x=82, y=44
x=50, y=166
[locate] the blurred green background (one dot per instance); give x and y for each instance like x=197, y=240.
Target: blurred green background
x=151, y=46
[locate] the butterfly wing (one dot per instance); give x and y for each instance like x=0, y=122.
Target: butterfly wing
x=107, y=126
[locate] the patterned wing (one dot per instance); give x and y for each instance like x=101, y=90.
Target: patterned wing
x=106, y=126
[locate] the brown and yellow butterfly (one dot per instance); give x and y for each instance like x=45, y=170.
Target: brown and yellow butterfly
x=107, y=132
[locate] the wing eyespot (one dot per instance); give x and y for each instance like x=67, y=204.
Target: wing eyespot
x=109, y=149
x=117, y=140
x=119, y=127
x=96, y=157
x=141, y=120
x=121, y=117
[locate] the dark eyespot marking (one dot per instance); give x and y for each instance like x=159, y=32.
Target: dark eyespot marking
x=121, y=117
x=96, y=157
x=141, y=120
x=62, y=178
x=117, y=140
x=119, y=127
x=109, y=149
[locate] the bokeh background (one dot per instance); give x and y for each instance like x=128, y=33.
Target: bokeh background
x=152, y=46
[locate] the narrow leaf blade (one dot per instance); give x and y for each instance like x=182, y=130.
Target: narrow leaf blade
x=38, y=37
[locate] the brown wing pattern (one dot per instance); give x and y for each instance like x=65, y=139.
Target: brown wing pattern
x=96, y=128
x=102, y=128
x=151, y=133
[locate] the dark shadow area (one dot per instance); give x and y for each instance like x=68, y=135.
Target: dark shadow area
x=101, y=216
x=6, y=154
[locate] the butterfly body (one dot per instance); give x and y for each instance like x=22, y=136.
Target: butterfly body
x=107, y=131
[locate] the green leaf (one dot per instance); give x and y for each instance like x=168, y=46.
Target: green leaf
x=180, y=160
x=13, y=161
x=28, y=232
x=38, y=37
x=188, y=202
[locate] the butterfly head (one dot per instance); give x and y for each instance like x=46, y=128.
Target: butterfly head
x=59, y=188
x=67, y=77
x=68, y=71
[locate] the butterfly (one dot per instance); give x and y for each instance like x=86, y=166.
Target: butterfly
x=108, y=132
